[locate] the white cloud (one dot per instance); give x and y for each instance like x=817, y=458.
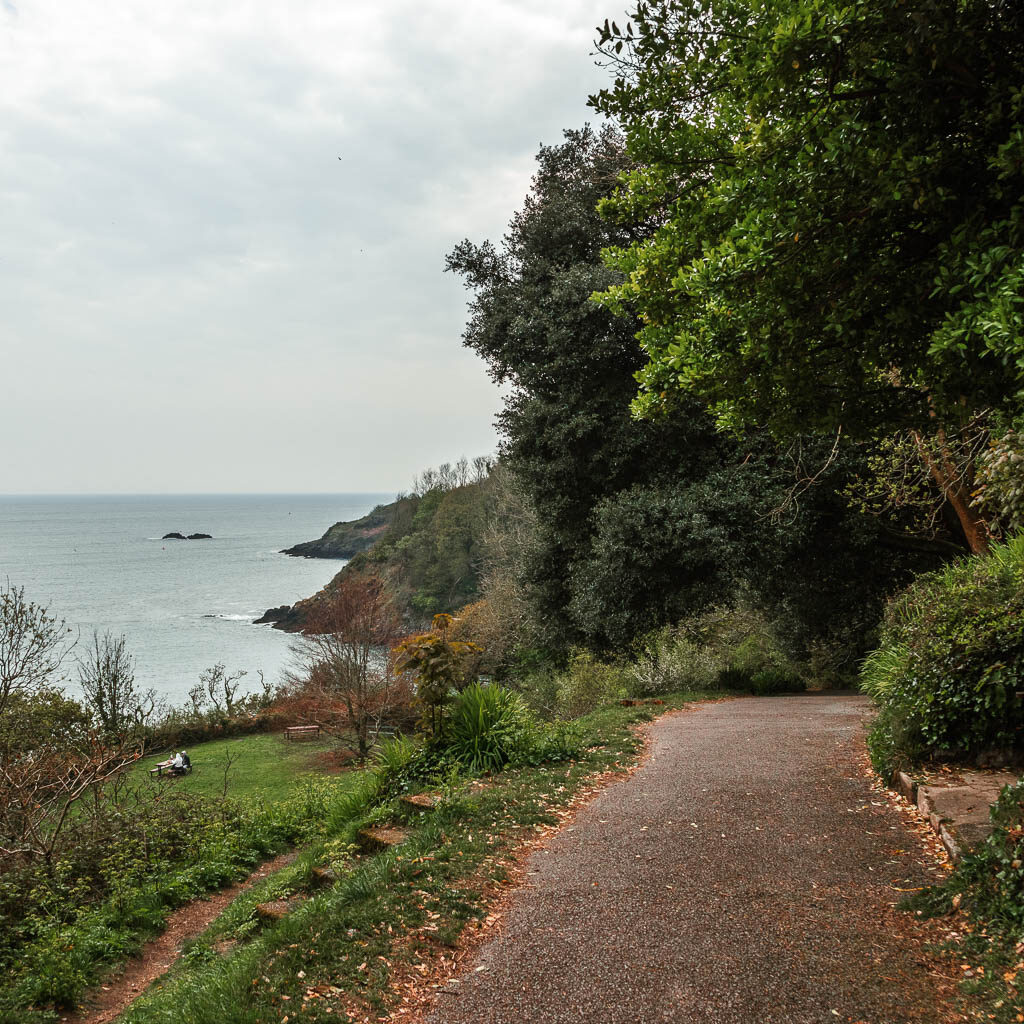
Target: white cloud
x=198, y=293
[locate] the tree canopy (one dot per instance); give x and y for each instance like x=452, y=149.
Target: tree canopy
x=836, y=189
x=568, y=434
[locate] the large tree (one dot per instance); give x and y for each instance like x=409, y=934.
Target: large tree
x=836, y=189
x=567, y=432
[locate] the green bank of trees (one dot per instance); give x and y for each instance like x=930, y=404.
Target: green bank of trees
x=431, y=553
x=837, y=238
x=638, y=523
x=829, y=204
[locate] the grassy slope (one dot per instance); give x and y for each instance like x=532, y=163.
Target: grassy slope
x=263, y=765
x=278, y=782
x=344, y=952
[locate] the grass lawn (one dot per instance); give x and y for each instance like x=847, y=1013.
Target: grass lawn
x=262, y=765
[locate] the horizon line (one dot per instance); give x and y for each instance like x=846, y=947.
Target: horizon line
x=196, y=494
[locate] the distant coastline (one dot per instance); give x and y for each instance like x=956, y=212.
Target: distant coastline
x=100, y=562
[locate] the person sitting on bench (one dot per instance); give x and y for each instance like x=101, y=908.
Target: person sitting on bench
x=181, y=764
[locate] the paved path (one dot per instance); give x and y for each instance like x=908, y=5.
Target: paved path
x=743, y=875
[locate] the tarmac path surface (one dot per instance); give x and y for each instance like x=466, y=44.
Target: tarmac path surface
x=746, y=873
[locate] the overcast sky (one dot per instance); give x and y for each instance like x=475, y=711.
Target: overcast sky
x=224, y=230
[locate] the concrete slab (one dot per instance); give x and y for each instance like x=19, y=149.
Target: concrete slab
x=961, y=804
x=373, y=840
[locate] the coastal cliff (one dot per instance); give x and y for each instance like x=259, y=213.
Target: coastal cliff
x=427, y=546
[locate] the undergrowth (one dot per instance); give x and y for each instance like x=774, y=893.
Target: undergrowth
x=988, y=887
x=62, y=944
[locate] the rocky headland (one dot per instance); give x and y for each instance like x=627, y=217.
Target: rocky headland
x=427, y=546
x=287, y=617
x=343, y=540
x=348, y=539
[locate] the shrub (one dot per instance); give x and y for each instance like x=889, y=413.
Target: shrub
x=776, y=680
x=559, y=741
x=60, y=926
x=539, y=690
x=667, y=662
x=724, y=648
x=396, y=764
x=180, y=728
x=950, y=662
x=754, y=653
x=732, y=679
x=587, y=684
x=487, y=726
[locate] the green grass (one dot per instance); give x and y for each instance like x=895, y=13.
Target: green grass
x=65, y=938
x=386, y=913
x=263, y=765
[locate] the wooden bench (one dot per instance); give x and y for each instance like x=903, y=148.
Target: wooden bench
x=168, y=766
x=301, y=732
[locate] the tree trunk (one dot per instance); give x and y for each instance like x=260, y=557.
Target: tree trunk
x=955, y=485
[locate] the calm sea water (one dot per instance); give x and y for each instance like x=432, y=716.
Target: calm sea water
x=99, y=563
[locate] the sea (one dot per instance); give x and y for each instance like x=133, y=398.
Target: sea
x=100, y=564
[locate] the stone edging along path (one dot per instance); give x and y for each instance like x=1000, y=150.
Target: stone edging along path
x=956, y=802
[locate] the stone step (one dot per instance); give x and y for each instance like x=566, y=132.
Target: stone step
x=956, y=803
x=420, y=801
x=373, y=840
x=323, y=876
x=275, y=910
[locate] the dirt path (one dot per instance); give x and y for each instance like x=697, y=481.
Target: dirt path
x=105, y=1003
x=745, y=874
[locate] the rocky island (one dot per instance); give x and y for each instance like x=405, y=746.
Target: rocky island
x=192, y=536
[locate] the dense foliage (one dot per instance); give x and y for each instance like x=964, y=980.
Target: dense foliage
x=441, y=666
x=636, y=524
x=837, y=192
x=837, y=188
x=951, y=662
